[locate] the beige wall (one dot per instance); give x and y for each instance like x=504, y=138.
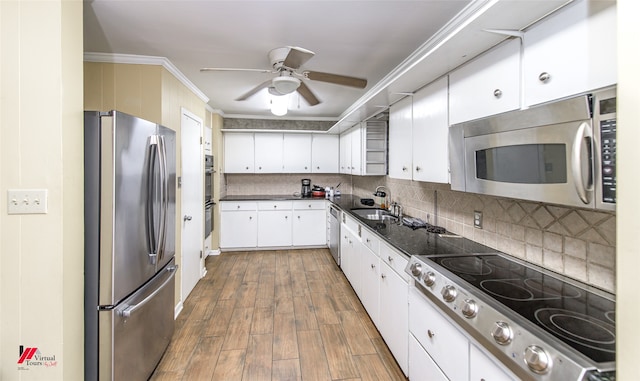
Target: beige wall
x=150, y=92
x=41, y=255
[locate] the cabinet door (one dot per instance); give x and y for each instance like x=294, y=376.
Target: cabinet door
x=238, y=152
x=274, y=228
x=571, y=52
x=238, y=229
x=430, y=138
x=400, y=146
x=488, y=85
x=421, y=366
x=268, y=152
x=350, y=258
x=394, y=314
x=370, y=283
x=325, y=153
x=297, y=153
x=356, y=151
x=345, y=153
x=309, y=227
x=446, y=345
x=482, y=367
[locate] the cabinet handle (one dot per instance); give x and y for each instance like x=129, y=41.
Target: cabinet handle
x=251, y=217
x=286, y=217
x=298, y=217
x=404, y=169
x=544, y=76
x=368, y=240
x=430, y=333
x=305, y=167
x=317, y=167
x=275, y=206
x=238, y=206
x=247, y=168
x=497, y=93
x=382, y=276
x=418, y=169
x=373, y=266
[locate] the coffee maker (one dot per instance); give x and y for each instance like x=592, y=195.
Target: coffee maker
x=306, y=188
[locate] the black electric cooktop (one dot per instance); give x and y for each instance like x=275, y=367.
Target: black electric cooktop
x=582, y=319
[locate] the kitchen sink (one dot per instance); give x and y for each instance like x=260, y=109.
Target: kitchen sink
x=374, y=214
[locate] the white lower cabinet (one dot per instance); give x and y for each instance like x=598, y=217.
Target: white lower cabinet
x=370, y=294
x=482, y=367
x=422, y=366
x=350, y=257
x=309, y=223
x=238, y=224
x=274, y=224
x=447, y=346
x=393, y=320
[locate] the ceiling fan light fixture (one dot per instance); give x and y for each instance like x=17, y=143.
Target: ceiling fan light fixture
x=279, y=104
x=285, y=84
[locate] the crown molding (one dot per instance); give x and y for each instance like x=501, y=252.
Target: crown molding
x=146, y=60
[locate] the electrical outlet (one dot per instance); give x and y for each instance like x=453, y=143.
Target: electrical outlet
x=27, y=201
x=477, y=219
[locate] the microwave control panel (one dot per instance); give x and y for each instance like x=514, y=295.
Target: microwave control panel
x=608, y=155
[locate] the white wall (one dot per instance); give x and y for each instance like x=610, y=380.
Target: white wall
x=41, y=256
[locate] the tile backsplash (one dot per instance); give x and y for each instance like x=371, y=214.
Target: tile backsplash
x=578, y=243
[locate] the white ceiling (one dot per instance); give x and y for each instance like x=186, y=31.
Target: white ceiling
x=367, y=39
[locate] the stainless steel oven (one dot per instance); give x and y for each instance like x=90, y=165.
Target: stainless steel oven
x=208, y=218
x=208, y=178
x=561, y=153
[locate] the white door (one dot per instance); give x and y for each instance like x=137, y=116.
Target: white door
x=191, y=267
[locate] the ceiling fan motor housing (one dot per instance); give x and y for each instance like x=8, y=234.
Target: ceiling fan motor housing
x=277, y=57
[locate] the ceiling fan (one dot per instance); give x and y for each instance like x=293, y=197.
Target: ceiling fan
x=285, y=62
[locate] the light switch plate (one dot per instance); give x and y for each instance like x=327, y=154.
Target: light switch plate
x=27, y=201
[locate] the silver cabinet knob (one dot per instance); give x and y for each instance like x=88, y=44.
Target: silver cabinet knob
x=449, y=293
x=390, y=258
x=382, y=276
x=544, y=76
x=470, y=308
x=536, y=359
x=187, y=218
x=497, y=93
x=404, y=169
x=430, y=333
x=502, y=333
x=373, y=266
x=418, y=169
x=429, y=279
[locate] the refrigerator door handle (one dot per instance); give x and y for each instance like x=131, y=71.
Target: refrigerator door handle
x=164, y=195
x=127, y=312
x=153, y=237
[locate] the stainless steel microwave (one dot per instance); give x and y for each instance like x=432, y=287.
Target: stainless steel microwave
x=560, y=153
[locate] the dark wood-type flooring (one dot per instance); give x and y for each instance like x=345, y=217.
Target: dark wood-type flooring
x=275, y=315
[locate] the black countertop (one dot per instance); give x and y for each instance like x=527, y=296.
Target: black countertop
x=403, y=238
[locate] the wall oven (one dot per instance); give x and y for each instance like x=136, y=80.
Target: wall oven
x=208, y=178
x=561, y=153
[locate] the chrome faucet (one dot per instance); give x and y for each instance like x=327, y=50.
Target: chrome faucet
x=387, y=194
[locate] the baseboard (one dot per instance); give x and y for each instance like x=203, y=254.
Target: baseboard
x=177, y=310
x=213, y=252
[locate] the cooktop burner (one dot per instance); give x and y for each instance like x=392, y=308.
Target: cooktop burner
x=580, y=318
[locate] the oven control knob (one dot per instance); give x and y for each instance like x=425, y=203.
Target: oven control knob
x=429, y=279
x=470, y=308
x=502, y=333
x=449, y=293
x=416, y=269
x=536, y=359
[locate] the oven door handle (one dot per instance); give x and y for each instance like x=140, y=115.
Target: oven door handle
x=582, y=162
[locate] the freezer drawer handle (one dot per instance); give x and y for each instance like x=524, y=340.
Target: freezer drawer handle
x=131, y=309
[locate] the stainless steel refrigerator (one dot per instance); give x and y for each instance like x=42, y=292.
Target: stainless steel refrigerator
x=130, y=204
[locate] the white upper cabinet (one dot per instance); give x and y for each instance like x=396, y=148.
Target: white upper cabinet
x=488, y=85
x=297, y=153
x=238, y=153
x=345, y=153
x=356, y=151
x=400, y=132
x=208, y=141
x=268, y=151
x=325, y=153
x=431, y=133
x=418, y=135
x=571, y=52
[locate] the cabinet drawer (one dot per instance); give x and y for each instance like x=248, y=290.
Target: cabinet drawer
x=351, y=224
x=275, y=205
x=370, y=240
x=231, y=205
x=446, y=345
x=394, y=259
x=309, y=205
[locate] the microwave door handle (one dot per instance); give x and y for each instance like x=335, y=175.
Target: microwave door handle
x=582, y=141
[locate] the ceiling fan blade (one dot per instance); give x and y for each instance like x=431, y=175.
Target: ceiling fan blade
x=306, y=93
x=297, y=57
x=251, y=92
x=337, y=79
x=235, y=69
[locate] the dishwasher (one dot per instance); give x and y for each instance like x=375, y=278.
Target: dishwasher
x=334, y=232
